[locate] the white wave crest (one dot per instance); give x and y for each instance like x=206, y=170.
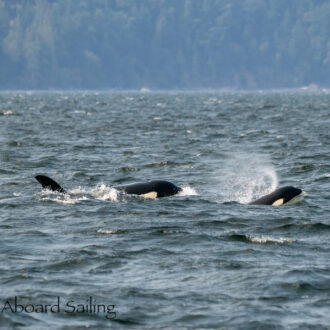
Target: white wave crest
x=8, y=113
x=269, y=239
x=106, y=232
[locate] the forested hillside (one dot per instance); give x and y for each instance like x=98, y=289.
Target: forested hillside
x=129, y=44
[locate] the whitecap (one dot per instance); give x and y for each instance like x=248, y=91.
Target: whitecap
x=8, y=113
x=111, y=232
x=107, y=232
x=269, y=239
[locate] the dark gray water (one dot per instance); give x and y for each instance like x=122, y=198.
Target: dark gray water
x=204, y=259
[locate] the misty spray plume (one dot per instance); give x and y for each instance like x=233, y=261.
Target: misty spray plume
x=246, y=176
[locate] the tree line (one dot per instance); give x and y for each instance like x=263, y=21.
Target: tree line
x=164, y=44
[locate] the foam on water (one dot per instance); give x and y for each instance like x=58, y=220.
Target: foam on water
x=48, y=195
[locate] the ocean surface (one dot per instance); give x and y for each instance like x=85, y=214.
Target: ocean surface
x=204, y=259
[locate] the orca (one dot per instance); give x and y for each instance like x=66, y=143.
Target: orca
x=48, y=183
x=150, y=189
x=284, y=195
x=161, y=188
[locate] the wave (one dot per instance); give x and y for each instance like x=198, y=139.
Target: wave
x=111, y=232
x=260, y=239
x=8, y=113
x=269, y=239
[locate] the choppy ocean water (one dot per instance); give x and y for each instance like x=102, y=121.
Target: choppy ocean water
x=204, y=259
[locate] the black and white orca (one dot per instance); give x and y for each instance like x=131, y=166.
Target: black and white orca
x=284, y=195
x=160, y=188
x=150, y=189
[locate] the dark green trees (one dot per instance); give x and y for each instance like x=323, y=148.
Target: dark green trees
x=129, y=44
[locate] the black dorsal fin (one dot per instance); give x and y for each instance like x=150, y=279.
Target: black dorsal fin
x=48, y=183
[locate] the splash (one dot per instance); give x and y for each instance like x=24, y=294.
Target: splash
x=245, y=177
x=104, y=192
x=187, y=191
x=101, y=192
